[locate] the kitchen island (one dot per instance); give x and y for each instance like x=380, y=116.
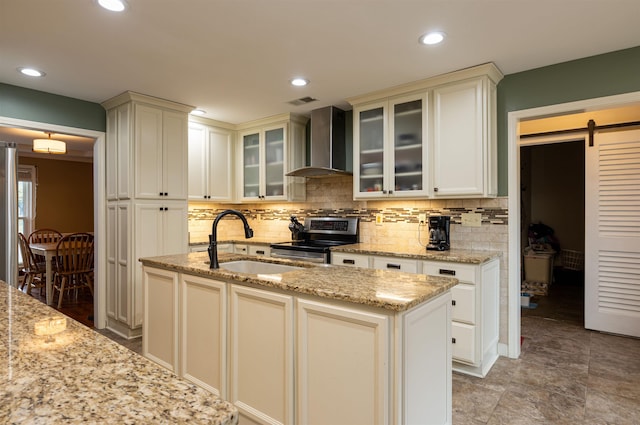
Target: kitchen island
x=82, y=376
x=316, y=344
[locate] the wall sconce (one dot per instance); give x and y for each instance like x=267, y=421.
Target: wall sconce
x=49, y=327
x=49, y=145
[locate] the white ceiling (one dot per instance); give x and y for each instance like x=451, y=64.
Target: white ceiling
x=234, y=58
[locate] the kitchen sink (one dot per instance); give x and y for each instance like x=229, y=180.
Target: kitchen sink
x=257, y=267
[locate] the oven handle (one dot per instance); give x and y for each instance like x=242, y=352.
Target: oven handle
x=299, y=258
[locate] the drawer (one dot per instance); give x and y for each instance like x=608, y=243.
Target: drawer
x=395, y=264
x=225, y=247
x=463, y=342
x=463, y=272
x=353, y=260
x=463, y=303
x=198, y=248
x=261, y=251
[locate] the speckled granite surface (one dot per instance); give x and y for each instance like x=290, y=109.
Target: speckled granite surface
x=419, y=253
x=85, y=378
x=390, y=290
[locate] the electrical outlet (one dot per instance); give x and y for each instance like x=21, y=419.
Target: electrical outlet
x=379, y=219
x=471, y=219
x=422, y=218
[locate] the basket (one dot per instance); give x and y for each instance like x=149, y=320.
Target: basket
x=572, y=260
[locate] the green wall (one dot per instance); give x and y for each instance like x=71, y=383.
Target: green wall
x=596, y=76
x=32, y=105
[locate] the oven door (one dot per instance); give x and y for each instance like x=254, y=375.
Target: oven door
x=300, y=255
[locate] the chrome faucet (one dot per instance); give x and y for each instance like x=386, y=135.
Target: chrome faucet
x=213, y=237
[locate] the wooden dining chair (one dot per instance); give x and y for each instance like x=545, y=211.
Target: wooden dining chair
x=34, y=271
x=44, y=236
x=74, y=264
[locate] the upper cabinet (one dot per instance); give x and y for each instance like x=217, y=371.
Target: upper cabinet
x=464, y=139
x=146, y=148
x=210, y=163
x=389, y=148
x=267, y=151
x=433, y=138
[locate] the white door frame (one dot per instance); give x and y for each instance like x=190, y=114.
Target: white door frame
x=513, y=155
x=99, y=204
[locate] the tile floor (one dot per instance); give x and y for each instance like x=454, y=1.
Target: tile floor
x=565, y=374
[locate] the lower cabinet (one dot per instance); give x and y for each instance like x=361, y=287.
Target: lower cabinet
x=395, y=264
x=261, y=355
x=338, y=344
x=475, y=313
x=203, y=333
x=286, y=358
x=160, y=322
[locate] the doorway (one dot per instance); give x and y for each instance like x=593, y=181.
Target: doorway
x=516, y=120
x=99, y=202
x=552, y=218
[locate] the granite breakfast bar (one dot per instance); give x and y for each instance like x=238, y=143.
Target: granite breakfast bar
x=82, y=377
x=330, y=344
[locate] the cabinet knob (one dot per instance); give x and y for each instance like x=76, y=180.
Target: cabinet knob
x=453, y=340
x=453, y=302
x=160, y=194
x=166, y=194
x=435, y=189
x=391, y=192
x=384, y=191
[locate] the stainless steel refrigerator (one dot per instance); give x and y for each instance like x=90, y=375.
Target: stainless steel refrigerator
x=9, y=213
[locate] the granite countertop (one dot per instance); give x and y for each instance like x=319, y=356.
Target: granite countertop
x=390, y=290
x=419, y=253
x=84, y=377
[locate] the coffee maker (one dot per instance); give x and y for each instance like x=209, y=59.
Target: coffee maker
x=439, y=233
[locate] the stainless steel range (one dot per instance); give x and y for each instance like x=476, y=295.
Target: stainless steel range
x=313, y=241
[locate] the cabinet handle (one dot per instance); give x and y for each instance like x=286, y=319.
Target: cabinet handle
x=453, y=302
x=453, y=340
x=447, y=272
x=393, y=266
x=205, y=196
x=391, y=192
x=161, y=209
x=435, y=189
x=260, y=251
x=347, y=261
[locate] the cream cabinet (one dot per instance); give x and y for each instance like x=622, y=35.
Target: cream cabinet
x=349, y=259
x=432, y=138
x=203, y=333
x=475, y=313
x=390, y=148
x=146, y=167
x=160, y=153
x=464, y=139
x=407, y=265
x=267, y=150
x=210, y=163
x=259, y=250
x=261, y=353
x=160, y=324
x=349, y=343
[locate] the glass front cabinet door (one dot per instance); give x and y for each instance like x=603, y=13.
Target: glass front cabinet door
x=263, y=164
x=391, y=149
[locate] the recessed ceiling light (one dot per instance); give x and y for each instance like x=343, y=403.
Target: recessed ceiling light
x=31, y=72
x=198, y=112
x=113, y=5
x=432, y=38
x=299, y=82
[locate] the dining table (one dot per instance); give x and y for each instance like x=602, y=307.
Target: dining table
x=48, y=251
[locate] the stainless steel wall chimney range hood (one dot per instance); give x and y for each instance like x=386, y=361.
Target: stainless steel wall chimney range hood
x=328, y=149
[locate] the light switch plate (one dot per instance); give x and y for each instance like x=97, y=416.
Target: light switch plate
x=471, y=219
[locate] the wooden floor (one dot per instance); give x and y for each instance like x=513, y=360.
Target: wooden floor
x=79, y=308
